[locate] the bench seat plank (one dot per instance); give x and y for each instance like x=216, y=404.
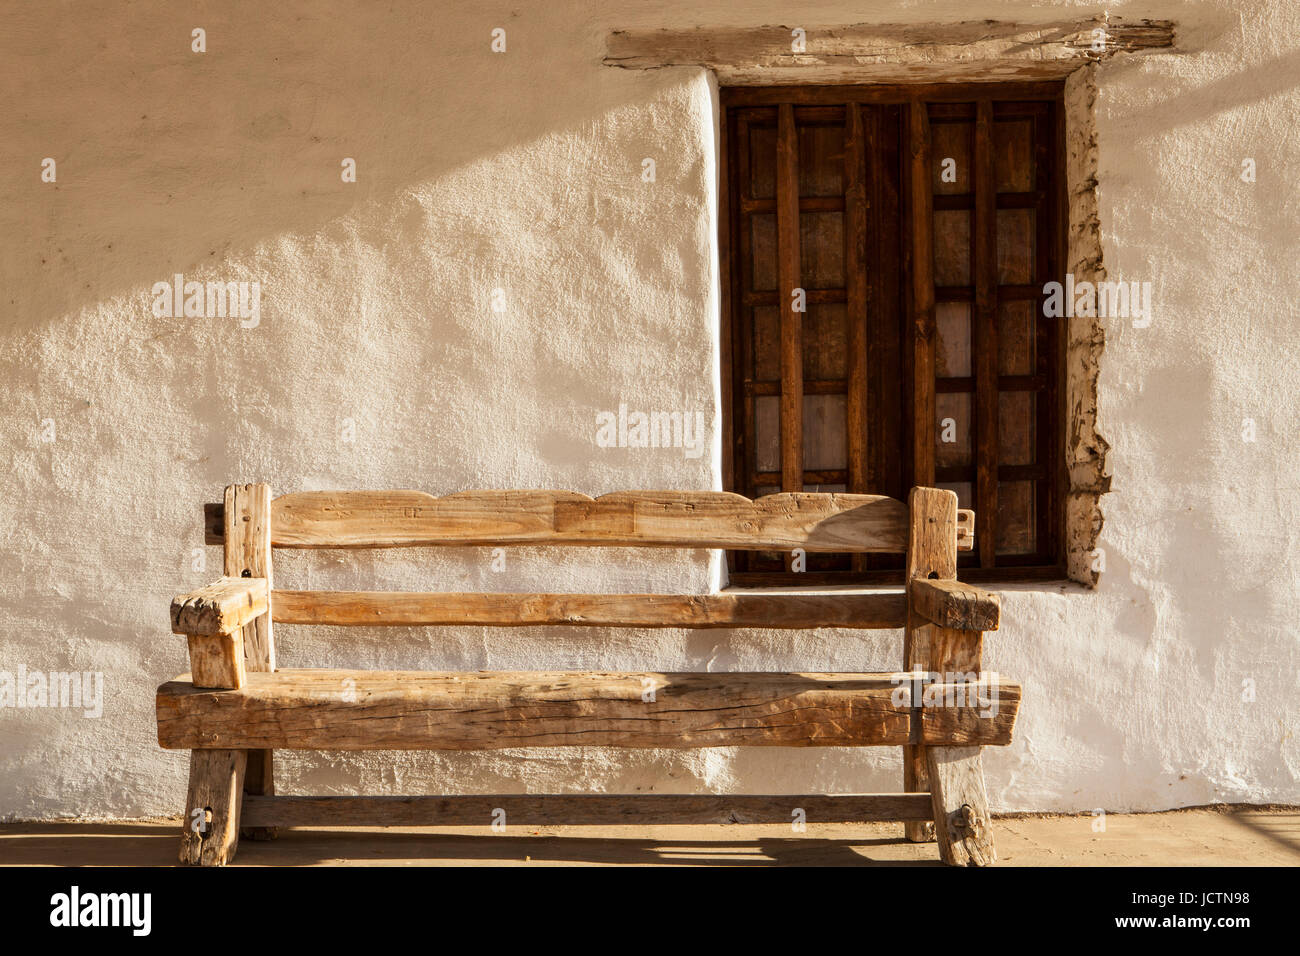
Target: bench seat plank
x=489, y=710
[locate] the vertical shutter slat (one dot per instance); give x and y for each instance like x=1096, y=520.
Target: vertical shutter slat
x=985, y=338
x=788, y=268
x=855, y=271
x=923, y=424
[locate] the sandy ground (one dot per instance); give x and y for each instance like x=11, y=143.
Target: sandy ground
x=1238, y=836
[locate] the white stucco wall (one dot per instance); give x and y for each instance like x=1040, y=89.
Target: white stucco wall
x=522, y=171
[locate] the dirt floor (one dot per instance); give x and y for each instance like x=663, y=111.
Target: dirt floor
x=1225, y=836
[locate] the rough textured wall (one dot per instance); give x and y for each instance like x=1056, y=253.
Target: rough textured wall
x=380, y=361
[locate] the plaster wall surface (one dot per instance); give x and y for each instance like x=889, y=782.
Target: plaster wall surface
x=521, y=172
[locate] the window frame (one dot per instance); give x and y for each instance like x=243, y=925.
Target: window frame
x=919, y=104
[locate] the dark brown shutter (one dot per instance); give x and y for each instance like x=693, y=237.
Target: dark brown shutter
x=923, y=307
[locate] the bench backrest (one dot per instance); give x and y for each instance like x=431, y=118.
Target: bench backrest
x=823, y=522
x=249, y=524
x=230, y=631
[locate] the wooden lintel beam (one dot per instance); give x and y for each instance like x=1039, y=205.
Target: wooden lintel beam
x=889, y=52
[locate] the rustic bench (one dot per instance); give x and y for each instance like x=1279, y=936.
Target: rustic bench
x=236, y=707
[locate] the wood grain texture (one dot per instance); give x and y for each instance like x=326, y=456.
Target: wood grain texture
x=789, y=270
x=931, y=555
x=923, y=315
x=246, y=553
x=414, y=710
x=214, y=512
x=534, y=810
x=246, y=519
x=984, y=336
x=856, y=268
x=684, y=519
x=217, y=660
x=952, y=604
x=888, y=94
x=955, y=771
x=962, y=821
x=727, y=292
x=757, y=609
x=219, y=608
x=210, y=828
x=888, y=53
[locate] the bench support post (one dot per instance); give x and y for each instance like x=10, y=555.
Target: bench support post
x=210, y=830
x=956, y=774
x=953, y=775
x=961, y=806
x=931, y=553
x=247, y=528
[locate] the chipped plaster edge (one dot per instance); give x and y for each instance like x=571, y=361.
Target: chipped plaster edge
x=1087, y=472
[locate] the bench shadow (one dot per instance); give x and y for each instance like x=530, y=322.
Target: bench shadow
x=1282, y=828
x=73, y=844
x=308, y=847
x=89, y=844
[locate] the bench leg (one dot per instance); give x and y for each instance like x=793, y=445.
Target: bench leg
x=916, y=773
x=916, y=780
x=259, y=780
x=961, y=806
x=210, y=833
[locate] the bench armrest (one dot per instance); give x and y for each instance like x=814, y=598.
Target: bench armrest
x=220, y=608
x=955, y=605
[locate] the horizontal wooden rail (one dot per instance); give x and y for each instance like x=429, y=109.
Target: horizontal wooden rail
x=955, y=605
x=582, y=809
x=488, y=710
x=817, y=522
x=219, y=608
x=688, y=519
x=862, y=609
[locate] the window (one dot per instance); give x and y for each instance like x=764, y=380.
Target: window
x=885, y=250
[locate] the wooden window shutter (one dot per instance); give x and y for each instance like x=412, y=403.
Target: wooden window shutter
x=915, y=226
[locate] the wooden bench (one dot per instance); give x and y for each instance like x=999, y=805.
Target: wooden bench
x=235, y=707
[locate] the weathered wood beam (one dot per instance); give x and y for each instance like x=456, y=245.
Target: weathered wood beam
x=789, y=267
x=968, y=50
x=222, y=607
x=217, y=660
x=961, y=808
x=984, y=335
x=924, y=333
x=664, y=519
x=954, y=770
x=955, y=605
x=605, y=809
x=931, y=555
x=214, y=522
x=417, y=710
x=210, y=828
x=246, y=552
x=801, y=610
